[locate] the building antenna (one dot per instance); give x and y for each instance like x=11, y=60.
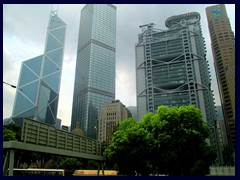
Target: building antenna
x=54, y=9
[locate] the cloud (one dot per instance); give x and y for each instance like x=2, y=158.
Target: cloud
x=10, y=66
x=66, y=90
x=126, y=87
x=24, y=35
x=27, y=22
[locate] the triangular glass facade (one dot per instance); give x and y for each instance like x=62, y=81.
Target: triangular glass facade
x=59, y=34
x=27, y=75
x=29, y=91
x=34, y=64
x=53, y=81
x=56, y=56
x=39, y=80
x=22, y=104
x=52, y=43
x=49, y=67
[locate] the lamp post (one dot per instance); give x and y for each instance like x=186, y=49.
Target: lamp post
x=97, y=141
x=10, y=85
x=95, y=127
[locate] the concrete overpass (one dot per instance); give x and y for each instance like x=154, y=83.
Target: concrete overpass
x=44, y=138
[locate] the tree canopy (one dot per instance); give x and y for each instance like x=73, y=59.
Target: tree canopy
x=172, y=142
x=11, y=132
x=129, y=144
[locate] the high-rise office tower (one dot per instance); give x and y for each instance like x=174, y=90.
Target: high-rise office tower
x=223, y=46
x=110, y=116
x=39, y=81
x=95, y=68
x=172, y=70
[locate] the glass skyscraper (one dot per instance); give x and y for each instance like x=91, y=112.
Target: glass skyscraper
x=39, y=81
x=95, y=68
x=172, y=69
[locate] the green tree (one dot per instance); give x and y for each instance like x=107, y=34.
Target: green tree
x=182, y=146
x=8, y=135
x=69, y=164
x=108, y=165
x=172, y=141
x=11, y=132
x=128, y=148
x=40, y=159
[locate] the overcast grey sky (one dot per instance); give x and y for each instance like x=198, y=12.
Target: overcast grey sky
x=24, y=34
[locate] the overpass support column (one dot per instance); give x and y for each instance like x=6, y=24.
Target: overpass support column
x=6, y=163
x=11, y=162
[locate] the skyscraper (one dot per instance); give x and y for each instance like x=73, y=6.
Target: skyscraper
x=223, y=46
x=172, y=70
x=95, y=68
x=39, y=81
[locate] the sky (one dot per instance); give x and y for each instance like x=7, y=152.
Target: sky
x=24, y=35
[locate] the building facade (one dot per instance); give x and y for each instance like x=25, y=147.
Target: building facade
x=133, y=111
x=58, y=123
x=221, y=127
x=172, y=70
x=95, y=67
x=110, y=116
x=39, y=80
x=223, y=47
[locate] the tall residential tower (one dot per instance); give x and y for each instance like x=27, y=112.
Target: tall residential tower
x=172, y=70
x=39, y=81
x=223, y=46
x=95, y=68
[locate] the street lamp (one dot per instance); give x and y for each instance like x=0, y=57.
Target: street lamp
x=95, y=127
x=9, y=84
x=98, y=141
